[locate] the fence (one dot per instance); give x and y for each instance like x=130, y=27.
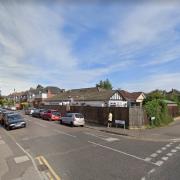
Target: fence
x=174, y=111
x=133, y=117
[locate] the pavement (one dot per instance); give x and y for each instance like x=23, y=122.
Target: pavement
x=50, y=151
x=15, y=164
x=167, y=133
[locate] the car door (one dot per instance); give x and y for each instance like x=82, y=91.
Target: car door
x=69, y=118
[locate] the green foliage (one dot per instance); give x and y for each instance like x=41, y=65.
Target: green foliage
x=157, y=94
x=6, y=102
x=158, y=109
x=105, y=84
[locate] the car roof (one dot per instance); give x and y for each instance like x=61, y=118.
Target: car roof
x=14, y=114
x=8, y=112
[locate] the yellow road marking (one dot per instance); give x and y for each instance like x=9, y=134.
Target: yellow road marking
x=49, y=175
x=42, y=160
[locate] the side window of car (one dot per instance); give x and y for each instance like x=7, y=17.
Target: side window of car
x=69, y=115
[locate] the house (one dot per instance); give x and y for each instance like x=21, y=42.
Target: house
x=38, y=95
x=94, y=96
x=34, y=96
x=134, y=98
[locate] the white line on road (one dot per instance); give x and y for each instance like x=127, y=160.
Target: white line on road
x=154, y=155
x=102, y=137
x=159, y=163
x=40, y=124
x=2, y=142
x=21, y=159
x=159, y=151
x=94, y=135
x=177, y=147
x=151, y=171
x=164, y=158
x=62, y=132
x=173, y=150
x=33, y=162
x=116, y=150
x=148, y=159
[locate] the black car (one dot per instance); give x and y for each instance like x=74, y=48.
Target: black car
x=13, y=121
x=37, y=112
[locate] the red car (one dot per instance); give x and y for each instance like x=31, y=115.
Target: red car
x=51, y=115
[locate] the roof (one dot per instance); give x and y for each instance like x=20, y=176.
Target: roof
x=53, y=89
x=169, y=102
x=85, y=94
x=130, y=96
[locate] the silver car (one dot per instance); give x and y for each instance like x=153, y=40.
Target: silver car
x=73, y=119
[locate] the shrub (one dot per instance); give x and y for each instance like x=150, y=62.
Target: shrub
x=158, y=109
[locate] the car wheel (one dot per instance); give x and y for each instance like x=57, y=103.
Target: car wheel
x=72, y=124
x=7, y=127
x=60, y=121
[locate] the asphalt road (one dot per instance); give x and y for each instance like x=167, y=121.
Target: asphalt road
x=63, y=152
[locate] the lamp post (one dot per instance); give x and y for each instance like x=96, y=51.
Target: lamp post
x=14, y=97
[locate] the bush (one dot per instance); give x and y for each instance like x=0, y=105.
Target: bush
x=158, y=109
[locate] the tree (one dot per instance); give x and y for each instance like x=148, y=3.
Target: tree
x=104, y=84
x=39, y=86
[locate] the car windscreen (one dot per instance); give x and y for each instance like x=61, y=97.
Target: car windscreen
x=14, y=118
x=36, y=111
x=56, y=113
x=79, y=116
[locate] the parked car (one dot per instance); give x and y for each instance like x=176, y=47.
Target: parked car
x=13, y=108
x=29, y=111
x=37, y=113
x=42, y=113
x=13, y=121
x=73, y=119
x=51, y=115
x=4, y=113
x=1, y=115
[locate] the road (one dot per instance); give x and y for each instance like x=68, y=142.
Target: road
x=74, y=153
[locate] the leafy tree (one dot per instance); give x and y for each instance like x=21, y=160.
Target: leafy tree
x=105, y=84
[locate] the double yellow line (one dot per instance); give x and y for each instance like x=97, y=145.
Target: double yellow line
x=51, y=173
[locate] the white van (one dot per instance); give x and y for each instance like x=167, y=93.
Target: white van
x=73, y=119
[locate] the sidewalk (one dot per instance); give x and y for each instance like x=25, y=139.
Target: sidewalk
x=15, y=164
x=168, y=133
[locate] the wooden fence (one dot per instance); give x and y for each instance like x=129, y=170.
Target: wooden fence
x=133, y=117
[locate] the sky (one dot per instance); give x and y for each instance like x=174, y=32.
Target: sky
x=75, y=44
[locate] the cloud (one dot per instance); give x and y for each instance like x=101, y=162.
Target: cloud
x=76, y=45
x=147, y=23
x=158, y=81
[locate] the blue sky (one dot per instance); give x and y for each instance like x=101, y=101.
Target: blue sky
x=73, y=45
